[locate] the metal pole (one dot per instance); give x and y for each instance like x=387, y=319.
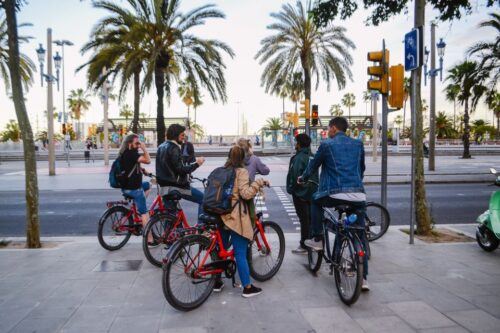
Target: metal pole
x=385, y=111
x=50, y=106
x=413, y=107
x=63, y=87
x=105, y=122
x=307, y=126
x=432, y=106
x=374, y=127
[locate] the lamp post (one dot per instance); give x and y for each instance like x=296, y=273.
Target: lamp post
x=105, y=88
x=61, y=43
x=50, y=79
x=432, y=73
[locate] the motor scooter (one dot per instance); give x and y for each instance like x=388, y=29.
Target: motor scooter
x=488, y=230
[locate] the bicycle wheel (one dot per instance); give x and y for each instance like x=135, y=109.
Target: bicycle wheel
x=377, y=221
x=160, y=226
x=315, y=258
x=348, y=271
x=182, y=289
x=112, y=231
x=265, y=262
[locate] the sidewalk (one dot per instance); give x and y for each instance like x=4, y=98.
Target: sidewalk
x=420, y=288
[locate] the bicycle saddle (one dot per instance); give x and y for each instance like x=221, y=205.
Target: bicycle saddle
x=172, y=196
x=209, y=219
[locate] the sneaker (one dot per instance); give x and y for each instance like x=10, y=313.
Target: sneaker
x=252, y=291
x=219, y=285
x=314, y=244
x=365, y=286
x=299, y=250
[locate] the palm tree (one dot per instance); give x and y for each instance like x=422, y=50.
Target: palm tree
x=367, y=98
x=78, y=102
x=349, y=101
x=298, y=44
x=471, y=80
x=26, y=66
x=172, y=50
x=198, y=131
x=19, y=76
x=451, y=93
x=296, y=88
x=398, y=121
x=489, y=52
x=493, y=102
x=336, y=110
x=444, y=126
x=274, y=125
x=186, y=94
x=126, y=112
x=406, y=96
x=116, y=52
x=11, y=132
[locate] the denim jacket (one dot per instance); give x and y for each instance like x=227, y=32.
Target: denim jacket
x=342, y=161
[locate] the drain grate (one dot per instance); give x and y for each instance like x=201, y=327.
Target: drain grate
x=118, y=266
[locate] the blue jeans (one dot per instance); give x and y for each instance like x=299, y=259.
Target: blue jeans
x=359, y=208
x=240, y=245
x=196, y=197
x=139, y=197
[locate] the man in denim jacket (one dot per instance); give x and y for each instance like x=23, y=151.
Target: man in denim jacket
x=342, y=161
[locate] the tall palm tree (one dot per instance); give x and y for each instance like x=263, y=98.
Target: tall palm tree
x=298, y=44
x=336, y=110
x=406, y=96
x=26, y=65
x=367, y=97
x=489, y=52
x=126, y=112
x=349, y=101
x=296, y=88
x=78, y=103
x=451, y=92
x=116, y=52
x=274, y=125
x=186, y=94
x=471, y=81
x=493, y=102
x=171, y=50
x=444, y=126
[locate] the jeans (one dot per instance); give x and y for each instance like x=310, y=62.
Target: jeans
x=139, y=197
x=196, y=197
x=359, y=208
x=240, y=245
x=303, y=209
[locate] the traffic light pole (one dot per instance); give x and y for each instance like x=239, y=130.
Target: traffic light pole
x=308, y=127
x=50, y=107
x=385, y=111
x=432, y=105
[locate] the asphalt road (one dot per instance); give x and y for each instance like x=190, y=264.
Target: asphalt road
x=77, y=212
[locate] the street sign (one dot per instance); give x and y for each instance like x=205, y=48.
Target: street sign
x=413, y=48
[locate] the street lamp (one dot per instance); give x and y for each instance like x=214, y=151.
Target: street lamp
x=434, y=71
x=57, y=65
x=61, y=43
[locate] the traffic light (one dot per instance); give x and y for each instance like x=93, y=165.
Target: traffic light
x=289, y=117
x=295, y=119
x=64, y=129
x=314, y=115
x=396, y=86
x=379, y=71
x=306, y=108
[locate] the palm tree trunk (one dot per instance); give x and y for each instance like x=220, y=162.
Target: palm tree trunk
x=498, y=125
x=404, y=117
x=307, y=84
x=454, y=112
x=466, y=136
x=137, y=99
x=422, y=215
x=160, y=93
x=31, y=180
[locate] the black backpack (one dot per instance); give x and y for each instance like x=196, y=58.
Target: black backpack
x=219, y=191
x=117, y=176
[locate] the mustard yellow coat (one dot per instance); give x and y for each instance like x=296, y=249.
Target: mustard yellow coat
x=240, y=223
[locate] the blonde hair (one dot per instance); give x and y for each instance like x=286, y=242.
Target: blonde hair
x=246, y=145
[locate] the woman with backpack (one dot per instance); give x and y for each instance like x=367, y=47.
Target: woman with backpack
x=238, y=225
x=252, y=162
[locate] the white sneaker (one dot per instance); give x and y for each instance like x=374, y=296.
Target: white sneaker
x=315, y=245
x=365, y=286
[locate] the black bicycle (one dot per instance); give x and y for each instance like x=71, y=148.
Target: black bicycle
x=343, y=251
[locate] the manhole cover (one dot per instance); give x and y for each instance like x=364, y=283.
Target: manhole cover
x=118, y=266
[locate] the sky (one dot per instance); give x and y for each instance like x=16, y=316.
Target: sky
x=243, y=29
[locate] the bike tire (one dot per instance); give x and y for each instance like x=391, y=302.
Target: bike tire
x=280, y=237
x=382, y=223
x=106, y=219
x=355, y=265
x=315, y=258
x=156, y=254
x=177, y=253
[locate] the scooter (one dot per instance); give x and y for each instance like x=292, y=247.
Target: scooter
x=488, y=231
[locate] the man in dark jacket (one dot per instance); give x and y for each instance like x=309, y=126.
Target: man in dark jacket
x=301, y=193
x=172, y=174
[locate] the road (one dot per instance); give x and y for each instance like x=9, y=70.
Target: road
x=76, y=212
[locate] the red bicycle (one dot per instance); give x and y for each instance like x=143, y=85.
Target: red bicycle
x=166, y=227
x=122, y=220
x=198, y=259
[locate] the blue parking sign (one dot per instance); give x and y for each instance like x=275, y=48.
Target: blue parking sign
x=412, y=50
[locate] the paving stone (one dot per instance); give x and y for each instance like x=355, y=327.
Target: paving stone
x=191, y=329
x=477, y=321
x=92, y=318
x=39, y=325
x=390, y=324
x=330, y=319
x=420, y=315
x=489, y=303
x=454, y=329
x=135, y=324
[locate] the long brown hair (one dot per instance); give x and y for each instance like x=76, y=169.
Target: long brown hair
x=235, y=158
x=126, y=141
x=246, y=145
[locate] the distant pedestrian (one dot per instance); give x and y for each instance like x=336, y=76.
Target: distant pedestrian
x=220, y=140
x=210, y=140
x=257, y=140
x=301, y=193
